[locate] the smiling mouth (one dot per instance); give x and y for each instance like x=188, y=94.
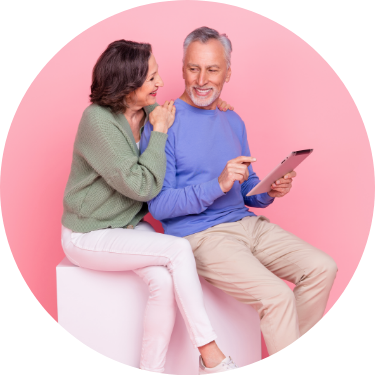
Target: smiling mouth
x=154, y=92
x=202, y=92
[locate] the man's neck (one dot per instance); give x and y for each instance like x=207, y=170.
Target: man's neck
x=186, y=98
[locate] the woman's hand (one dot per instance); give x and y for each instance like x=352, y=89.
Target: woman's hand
x=224, y=106
x=162, y=117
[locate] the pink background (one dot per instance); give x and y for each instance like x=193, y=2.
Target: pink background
x=288, y=96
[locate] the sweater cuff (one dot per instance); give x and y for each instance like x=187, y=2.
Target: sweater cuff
x=150, y=108
x=214, y=190
x=265, y=198
x=157, y=140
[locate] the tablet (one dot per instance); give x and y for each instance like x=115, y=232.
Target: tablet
x=287, y=165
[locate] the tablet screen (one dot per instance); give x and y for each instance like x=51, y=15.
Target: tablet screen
x=287, y=165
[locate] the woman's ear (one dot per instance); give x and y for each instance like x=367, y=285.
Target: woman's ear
x=129, y=99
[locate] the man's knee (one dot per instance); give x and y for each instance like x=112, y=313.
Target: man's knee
x=325, y=266
x=329, y=268
x=320, y=271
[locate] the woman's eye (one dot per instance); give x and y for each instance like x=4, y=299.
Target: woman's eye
x=151, y=79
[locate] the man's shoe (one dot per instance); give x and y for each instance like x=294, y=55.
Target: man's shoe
x=226, y=365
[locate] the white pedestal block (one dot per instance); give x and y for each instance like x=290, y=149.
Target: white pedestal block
x=104, y=310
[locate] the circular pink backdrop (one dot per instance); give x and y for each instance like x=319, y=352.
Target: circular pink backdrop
x=286, y=93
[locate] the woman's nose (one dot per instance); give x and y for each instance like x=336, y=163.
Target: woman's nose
x=160, y=82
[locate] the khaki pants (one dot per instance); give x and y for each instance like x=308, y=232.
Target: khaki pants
x=248, y=258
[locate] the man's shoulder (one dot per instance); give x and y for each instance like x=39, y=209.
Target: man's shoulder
x=183, y=116
x=181, y=109
x=233, y=117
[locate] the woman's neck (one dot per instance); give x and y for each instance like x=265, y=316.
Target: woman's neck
x=132, y=114
x=135, y=119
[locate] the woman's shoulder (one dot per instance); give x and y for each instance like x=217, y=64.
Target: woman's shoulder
x=94, y=111
x=98, y=118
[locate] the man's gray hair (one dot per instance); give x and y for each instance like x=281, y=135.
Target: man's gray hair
x=203, y=35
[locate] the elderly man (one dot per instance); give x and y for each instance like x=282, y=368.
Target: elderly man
x=203, y=199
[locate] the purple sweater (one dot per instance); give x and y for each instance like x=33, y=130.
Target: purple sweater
x=199, y=145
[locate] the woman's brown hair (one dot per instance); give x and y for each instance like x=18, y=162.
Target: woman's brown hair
x=121, y=69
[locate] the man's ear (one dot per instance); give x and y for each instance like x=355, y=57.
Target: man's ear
x=229, y=73
x=183, y=71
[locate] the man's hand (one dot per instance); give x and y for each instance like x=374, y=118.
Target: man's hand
x=224, y=106
x=282, y=186
x=235, y=170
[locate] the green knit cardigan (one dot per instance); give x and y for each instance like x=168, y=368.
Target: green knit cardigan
x=109, y=182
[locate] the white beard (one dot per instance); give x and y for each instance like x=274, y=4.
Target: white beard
x=202, y=102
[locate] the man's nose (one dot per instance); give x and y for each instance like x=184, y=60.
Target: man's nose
x=202, y=78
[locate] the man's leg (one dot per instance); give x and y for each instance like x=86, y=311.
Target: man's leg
x=288, y=257
x=224, y=259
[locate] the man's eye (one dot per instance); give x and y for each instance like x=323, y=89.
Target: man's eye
x=213, y=71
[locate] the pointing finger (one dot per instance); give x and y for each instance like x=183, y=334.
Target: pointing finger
x=243, y=159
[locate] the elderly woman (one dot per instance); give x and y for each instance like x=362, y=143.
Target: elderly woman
x=105, y=202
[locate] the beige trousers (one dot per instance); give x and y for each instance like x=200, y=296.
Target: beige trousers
x=248, y=258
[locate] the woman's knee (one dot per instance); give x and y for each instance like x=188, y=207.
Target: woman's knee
x=183, y=250
x=183, y=246
x=160, y=282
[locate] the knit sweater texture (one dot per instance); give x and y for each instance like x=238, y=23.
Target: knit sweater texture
x=109, y=182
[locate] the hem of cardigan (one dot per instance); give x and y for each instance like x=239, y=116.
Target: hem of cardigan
x=80, y=224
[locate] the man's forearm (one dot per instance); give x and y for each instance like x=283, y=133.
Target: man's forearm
x=190, y=200
x=259, y=200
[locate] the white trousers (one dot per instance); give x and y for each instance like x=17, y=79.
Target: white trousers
x=166, y=264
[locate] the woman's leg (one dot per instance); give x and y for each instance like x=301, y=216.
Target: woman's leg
x=159, y=318
x=160, y=313
x=126, y=249
x=211, y=354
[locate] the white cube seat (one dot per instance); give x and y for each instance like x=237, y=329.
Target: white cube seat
x=104, y=310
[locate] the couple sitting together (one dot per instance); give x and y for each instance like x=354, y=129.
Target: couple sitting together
x=193, y=177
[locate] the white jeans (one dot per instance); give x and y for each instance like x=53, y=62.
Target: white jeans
x=166, y=264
